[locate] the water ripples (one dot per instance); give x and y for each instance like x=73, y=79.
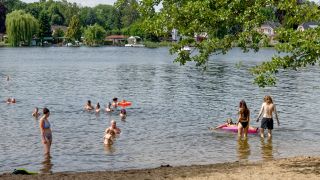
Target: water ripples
x=173, y=106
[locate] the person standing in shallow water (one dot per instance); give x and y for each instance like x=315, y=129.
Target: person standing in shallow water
x=267, y=108
x=46, y=134
x=244, y=119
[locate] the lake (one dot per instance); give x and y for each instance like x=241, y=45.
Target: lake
x=172, y=108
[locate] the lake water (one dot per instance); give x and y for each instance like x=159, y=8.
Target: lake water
x=173, y=106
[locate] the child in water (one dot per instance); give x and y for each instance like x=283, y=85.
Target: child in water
x=123, y=113
x=11, y=100
x=228, y=123
x=115, y=102
x=35, y=112
x=97, y=108
x=108, y=108
x=108, y=137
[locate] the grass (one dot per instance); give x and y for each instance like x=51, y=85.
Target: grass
x=150, y=44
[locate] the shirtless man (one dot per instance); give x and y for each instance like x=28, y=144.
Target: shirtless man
x=267, y=109
x=113, y=127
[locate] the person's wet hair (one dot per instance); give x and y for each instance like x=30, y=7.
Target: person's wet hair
x=268, y=99
x=45, y=111
x=243, y=108
x=115, y=99
x=98, y=106
x=89, y=102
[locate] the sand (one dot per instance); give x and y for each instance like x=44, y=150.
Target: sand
x=296, y=168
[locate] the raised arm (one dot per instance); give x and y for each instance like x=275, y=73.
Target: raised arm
x=261, y=111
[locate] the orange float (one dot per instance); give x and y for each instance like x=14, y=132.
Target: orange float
x=124, y=103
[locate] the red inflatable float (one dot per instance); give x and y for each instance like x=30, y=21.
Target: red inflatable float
x=124, y=103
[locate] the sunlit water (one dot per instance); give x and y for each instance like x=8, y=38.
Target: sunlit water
x=173, y=106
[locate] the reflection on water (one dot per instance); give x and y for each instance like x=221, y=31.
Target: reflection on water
x=46, y=165
x=243, y=149
x=266, y=149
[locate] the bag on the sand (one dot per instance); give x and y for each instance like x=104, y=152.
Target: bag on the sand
x=22, y=171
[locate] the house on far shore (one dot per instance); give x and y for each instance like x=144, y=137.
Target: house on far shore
x=175, y=35
x=54, y=28
x=116, y=39
x=307, y=25
x=269, y=28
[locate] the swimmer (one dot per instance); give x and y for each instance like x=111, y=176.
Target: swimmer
x=228, y=123
x=115, y=102
x=36, y=113
x=109, y=137
x=11, y=101
x=97, y=108
x=108, y=108
x=88, y=106
x=113, y=127
x=123, y=113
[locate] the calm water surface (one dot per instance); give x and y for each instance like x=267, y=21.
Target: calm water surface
x=173, y=106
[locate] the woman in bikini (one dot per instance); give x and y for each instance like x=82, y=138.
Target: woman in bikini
x=267, y=109
x=244, y=119
x=46, y=134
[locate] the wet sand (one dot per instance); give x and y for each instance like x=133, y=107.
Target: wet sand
x=289, y=168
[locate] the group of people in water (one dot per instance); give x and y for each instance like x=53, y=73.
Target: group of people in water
x=112, y=131
x=267, y=110
x=46, y=133
x=110, y=107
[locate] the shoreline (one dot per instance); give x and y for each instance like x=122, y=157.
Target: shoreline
x=301, y=167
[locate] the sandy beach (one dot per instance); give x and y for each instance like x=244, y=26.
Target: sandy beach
x=288, y=168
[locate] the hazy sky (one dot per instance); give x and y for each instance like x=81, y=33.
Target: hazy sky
x=90, y=3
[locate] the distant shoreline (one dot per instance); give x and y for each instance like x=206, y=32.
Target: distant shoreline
x=287, y=168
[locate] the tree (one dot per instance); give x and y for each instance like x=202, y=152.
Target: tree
x=105, y=16
x=12, y=5
x=88, y=16
x=45, y=27
x=94, y=35
x=3, y=11
x=68, y=10
x=74, y=30
x=128, y=11
x=21, y=26
x=58, y=35
x=34, y=9
x=57, y=17
x=229, y=23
